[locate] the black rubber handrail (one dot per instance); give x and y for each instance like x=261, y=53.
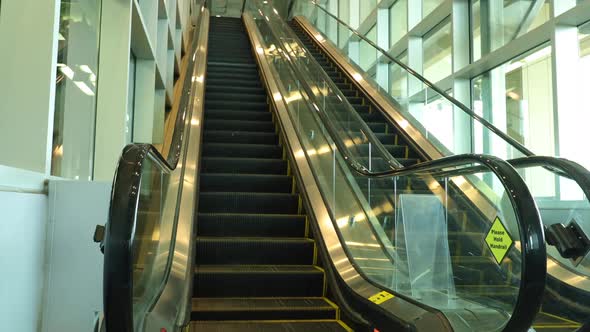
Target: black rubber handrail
x=533, y=248
x=121, y=225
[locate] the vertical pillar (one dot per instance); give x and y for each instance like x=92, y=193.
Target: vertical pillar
x=566, y=109
x=112, y=87
x=463, y=140
x=383, y=42
x=415, y=60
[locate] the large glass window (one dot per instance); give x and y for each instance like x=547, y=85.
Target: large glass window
x=582, y=93
x=398, y=21
x=437, y=52
x=398, y=78
x=76, y=81
x=366, y=7
x=496, y=23
x=429, y=5
x=368, y=52
x=517, y=98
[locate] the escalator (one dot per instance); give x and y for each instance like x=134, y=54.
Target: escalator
x=279, y=209
x=256, y=265
x=566, y=302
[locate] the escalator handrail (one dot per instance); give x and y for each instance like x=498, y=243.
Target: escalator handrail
x=534, y=255
x=118, y=271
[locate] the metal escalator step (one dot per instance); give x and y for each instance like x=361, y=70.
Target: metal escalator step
x=234, y=224
x=240, y=97
x=234, y=76
x=262, y=183
x=234, y=83
x=256, y=250
x=207, y=309
x=235, y=104
x=242, y=125
x=263, y=326
x=243, y=165
x=239, y=202
x=220, y=63
x=239, y=137
x=258, y=281
x=242, y=150
x=238, y=115
x=234, y=89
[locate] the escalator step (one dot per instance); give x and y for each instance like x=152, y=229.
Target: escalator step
x=219, y=63
x=245, y=183
x=237, y=105
x=264, y=326
x=238, y=202
x=234, y=89
x=231, y=224
x=238, y=115
x=261, y=309
x=233, y=76
x=237, y=137
x=258, y=251
x=244, y=165
x=242, y=150
x=239, y=125
x=258, y=281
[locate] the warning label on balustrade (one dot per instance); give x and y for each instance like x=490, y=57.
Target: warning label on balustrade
x=499, y=240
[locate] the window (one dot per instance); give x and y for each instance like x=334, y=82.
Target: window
x=517, y=98
x=398, y=77
x=429, y=5
x=496, y=23
x=368, y=52
x=398, y=21
x=437, y=52
x=366, y=7
x=76, y=81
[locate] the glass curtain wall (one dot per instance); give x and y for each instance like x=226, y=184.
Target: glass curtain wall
x=76, y=81
x=398, y=21
x=437, y=52
x=495, y=23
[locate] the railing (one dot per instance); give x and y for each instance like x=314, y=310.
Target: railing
x=146, y=216
x=371, y=206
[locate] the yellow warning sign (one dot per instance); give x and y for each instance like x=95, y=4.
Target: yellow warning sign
x=499, y=240
x=381, y=297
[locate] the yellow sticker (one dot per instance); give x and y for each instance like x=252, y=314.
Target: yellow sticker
x=499, y=240
x=381, y=297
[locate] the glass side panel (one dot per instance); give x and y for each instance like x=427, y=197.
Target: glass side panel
x=148, y=242
x=75, y=95
x=437, y=53
x=495, y=23
x=517, y=98
x=398, y=21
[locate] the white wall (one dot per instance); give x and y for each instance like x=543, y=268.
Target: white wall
x=22, y=244
x=27, y=55
x=73, y=288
